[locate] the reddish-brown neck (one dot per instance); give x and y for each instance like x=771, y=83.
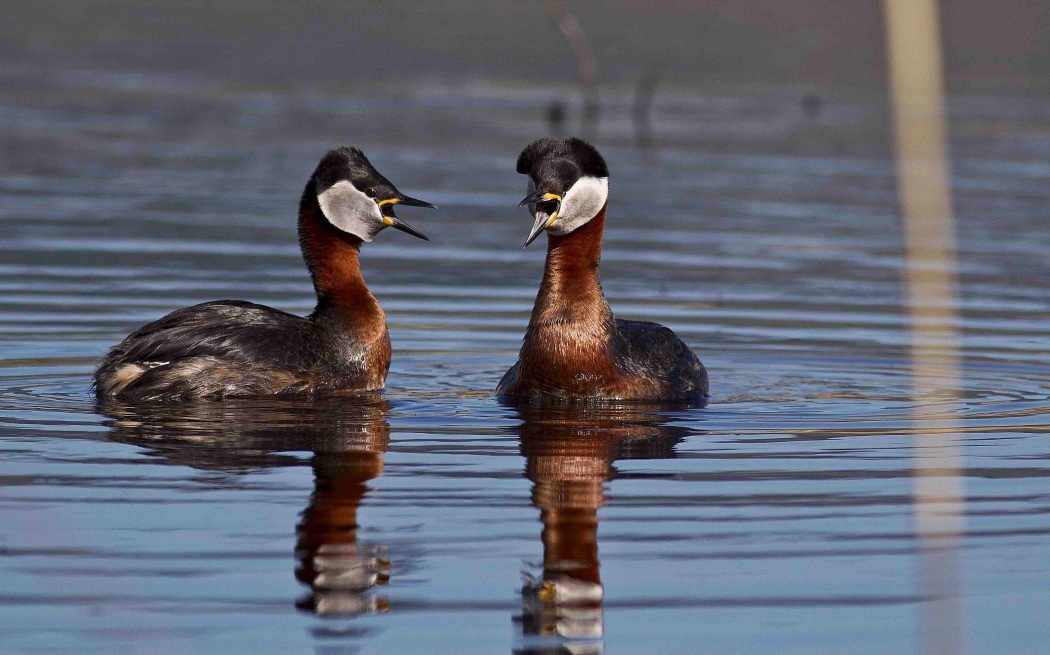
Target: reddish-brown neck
x=570, y=540
x=568, y=473
x=330, y=520
x=333, y=259
x=571, y=291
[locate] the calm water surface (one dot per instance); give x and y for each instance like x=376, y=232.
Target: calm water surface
x=780, y=518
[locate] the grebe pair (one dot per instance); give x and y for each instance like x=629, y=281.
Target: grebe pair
x=573, y=347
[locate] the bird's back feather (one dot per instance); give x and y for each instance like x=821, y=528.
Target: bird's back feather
x=218, y=345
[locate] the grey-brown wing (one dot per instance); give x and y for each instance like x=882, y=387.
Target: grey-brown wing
x=234, y=331
x=657, y=350
x=508, y=380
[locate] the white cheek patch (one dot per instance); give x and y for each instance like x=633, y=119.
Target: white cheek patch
x=581, y=203
x=351, y=211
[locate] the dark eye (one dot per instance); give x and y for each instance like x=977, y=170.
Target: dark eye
x=371, y=192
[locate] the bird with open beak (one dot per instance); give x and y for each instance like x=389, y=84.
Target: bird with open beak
x=568, y=185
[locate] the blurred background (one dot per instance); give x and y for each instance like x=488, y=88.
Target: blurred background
x=382, y=47
x=869, y=477
x=424, y=73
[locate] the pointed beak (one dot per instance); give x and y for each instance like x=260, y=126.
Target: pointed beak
x=412, y=202
x=386, y=208
x=532, y=198
x=543, y=219
x=406, y=201
x=398, y=224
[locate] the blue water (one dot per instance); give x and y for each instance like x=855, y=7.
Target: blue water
x=780, y=518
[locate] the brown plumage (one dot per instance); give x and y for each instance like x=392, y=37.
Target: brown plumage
x=569, y=344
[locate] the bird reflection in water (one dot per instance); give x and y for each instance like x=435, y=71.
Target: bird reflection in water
x=340, y=569
x=348, y=439
x=569, y=452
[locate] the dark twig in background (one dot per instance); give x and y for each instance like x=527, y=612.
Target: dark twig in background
x=641, y=110
x=587, y=64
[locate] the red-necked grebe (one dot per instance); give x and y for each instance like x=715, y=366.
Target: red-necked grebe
x=235, y=348
x=573, y=346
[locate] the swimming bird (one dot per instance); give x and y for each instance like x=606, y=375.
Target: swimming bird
x=234, y=348
x=573, y=347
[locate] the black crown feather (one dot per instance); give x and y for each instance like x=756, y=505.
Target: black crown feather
x=577, y=151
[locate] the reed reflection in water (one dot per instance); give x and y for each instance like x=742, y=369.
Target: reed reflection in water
x=917, y=85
